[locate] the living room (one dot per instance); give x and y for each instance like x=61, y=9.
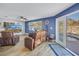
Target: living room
x=14, y=36
x=34, y=29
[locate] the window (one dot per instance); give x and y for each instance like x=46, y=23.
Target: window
x=35, y=26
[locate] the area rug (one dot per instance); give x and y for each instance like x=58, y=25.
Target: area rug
x=59, y=50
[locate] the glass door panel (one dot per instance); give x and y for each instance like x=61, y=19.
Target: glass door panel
x=61, y=31
x=73, y=32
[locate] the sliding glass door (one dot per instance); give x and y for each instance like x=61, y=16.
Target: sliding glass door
x=73, y=32
x=67, y=31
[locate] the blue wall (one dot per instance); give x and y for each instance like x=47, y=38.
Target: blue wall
x=45, y=27
x=26, y=27
x=51, y=25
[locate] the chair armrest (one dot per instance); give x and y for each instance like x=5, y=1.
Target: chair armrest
x=15, y=39
x=29, y=43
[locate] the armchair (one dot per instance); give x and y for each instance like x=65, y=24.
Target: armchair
x=35, y=39
x=9, y=38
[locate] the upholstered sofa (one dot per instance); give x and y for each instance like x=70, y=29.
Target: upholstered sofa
x=8, y=38
x=34, y=39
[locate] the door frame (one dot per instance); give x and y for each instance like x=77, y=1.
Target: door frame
x=63, y=43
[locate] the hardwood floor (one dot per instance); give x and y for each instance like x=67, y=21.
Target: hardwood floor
x=19, y=50
x=43, y=50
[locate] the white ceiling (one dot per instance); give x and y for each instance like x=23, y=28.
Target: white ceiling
x=32, y=10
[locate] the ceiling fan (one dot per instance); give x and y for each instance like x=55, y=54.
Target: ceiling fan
x=23, y=18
